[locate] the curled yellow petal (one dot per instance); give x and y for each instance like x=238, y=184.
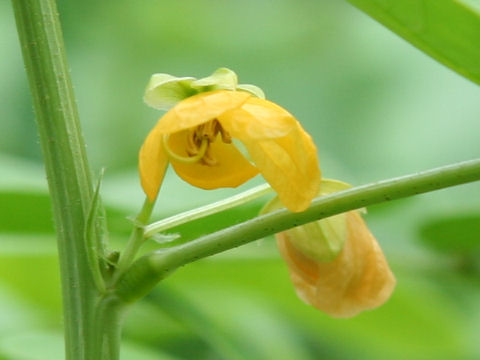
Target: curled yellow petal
x=152, y=163
x=229, y=167
x=283, y=152
x=358, y=279
x=257, y=119
x=290, y=166
x=199, y=109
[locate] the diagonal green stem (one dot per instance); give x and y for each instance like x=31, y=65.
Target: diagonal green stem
x=151, y=268
x=135, y=241
x=206, y=210
x=66, y=164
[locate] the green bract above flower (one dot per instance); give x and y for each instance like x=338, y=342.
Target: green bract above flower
x=164, y=91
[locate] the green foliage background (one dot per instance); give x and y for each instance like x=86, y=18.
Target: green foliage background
x=377, y=108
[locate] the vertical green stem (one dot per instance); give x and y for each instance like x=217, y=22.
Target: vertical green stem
x=107, y=327
x=65, y=162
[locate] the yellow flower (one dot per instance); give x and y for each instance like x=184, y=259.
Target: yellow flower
x=336, y=264
x=195, y=136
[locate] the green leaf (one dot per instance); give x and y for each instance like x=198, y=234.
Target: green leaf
x=94, y=245
x=447, y=30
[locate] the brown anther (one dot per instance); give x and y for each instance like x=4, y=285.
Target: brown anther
x=192, y=143
x=208, y=131
x=226, y=138
x=199, y=133
x=208, y=159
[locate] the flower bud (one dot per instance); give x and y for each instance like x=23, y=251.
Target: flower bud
x=336, y=264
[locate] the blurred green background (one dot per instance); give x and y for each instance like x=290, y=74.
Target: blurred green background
x=376, y=107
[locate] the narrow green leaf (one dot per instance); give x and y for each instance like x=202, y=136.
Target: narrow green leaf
x=447, y=30
x=94, y=247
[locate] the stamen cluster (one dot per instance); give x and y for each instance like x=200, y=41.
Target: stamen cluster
x=206, y=132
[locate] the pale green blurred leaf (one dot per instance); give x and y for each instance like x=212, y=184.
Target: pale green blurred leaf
x=25, y=212
x=33, y=346
x=45, y=345
x=458, y=234
x=423, y=320
x=33, y=277
x=255, y=333
x=15, y=314
x=447, y=30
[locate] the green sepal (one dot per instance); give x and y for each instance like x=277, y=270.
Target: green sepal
x=222, y=78
x=320, y=240
x=252, y=89
x=164, y=91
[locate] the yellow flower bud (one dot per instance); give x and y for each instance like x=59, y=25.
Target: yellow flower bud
x=357, y=278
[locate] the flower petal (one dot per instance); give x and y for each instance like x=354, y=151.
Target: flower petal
x=258, y=119
x=358, y=279
x=199, y=109
x=290, y=165
x=231, y=169
x=152, y=163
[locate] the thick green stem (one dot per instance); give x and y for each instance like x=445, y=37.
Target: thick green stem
x=107, y=328
x=151, y=268
x=66, y=164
